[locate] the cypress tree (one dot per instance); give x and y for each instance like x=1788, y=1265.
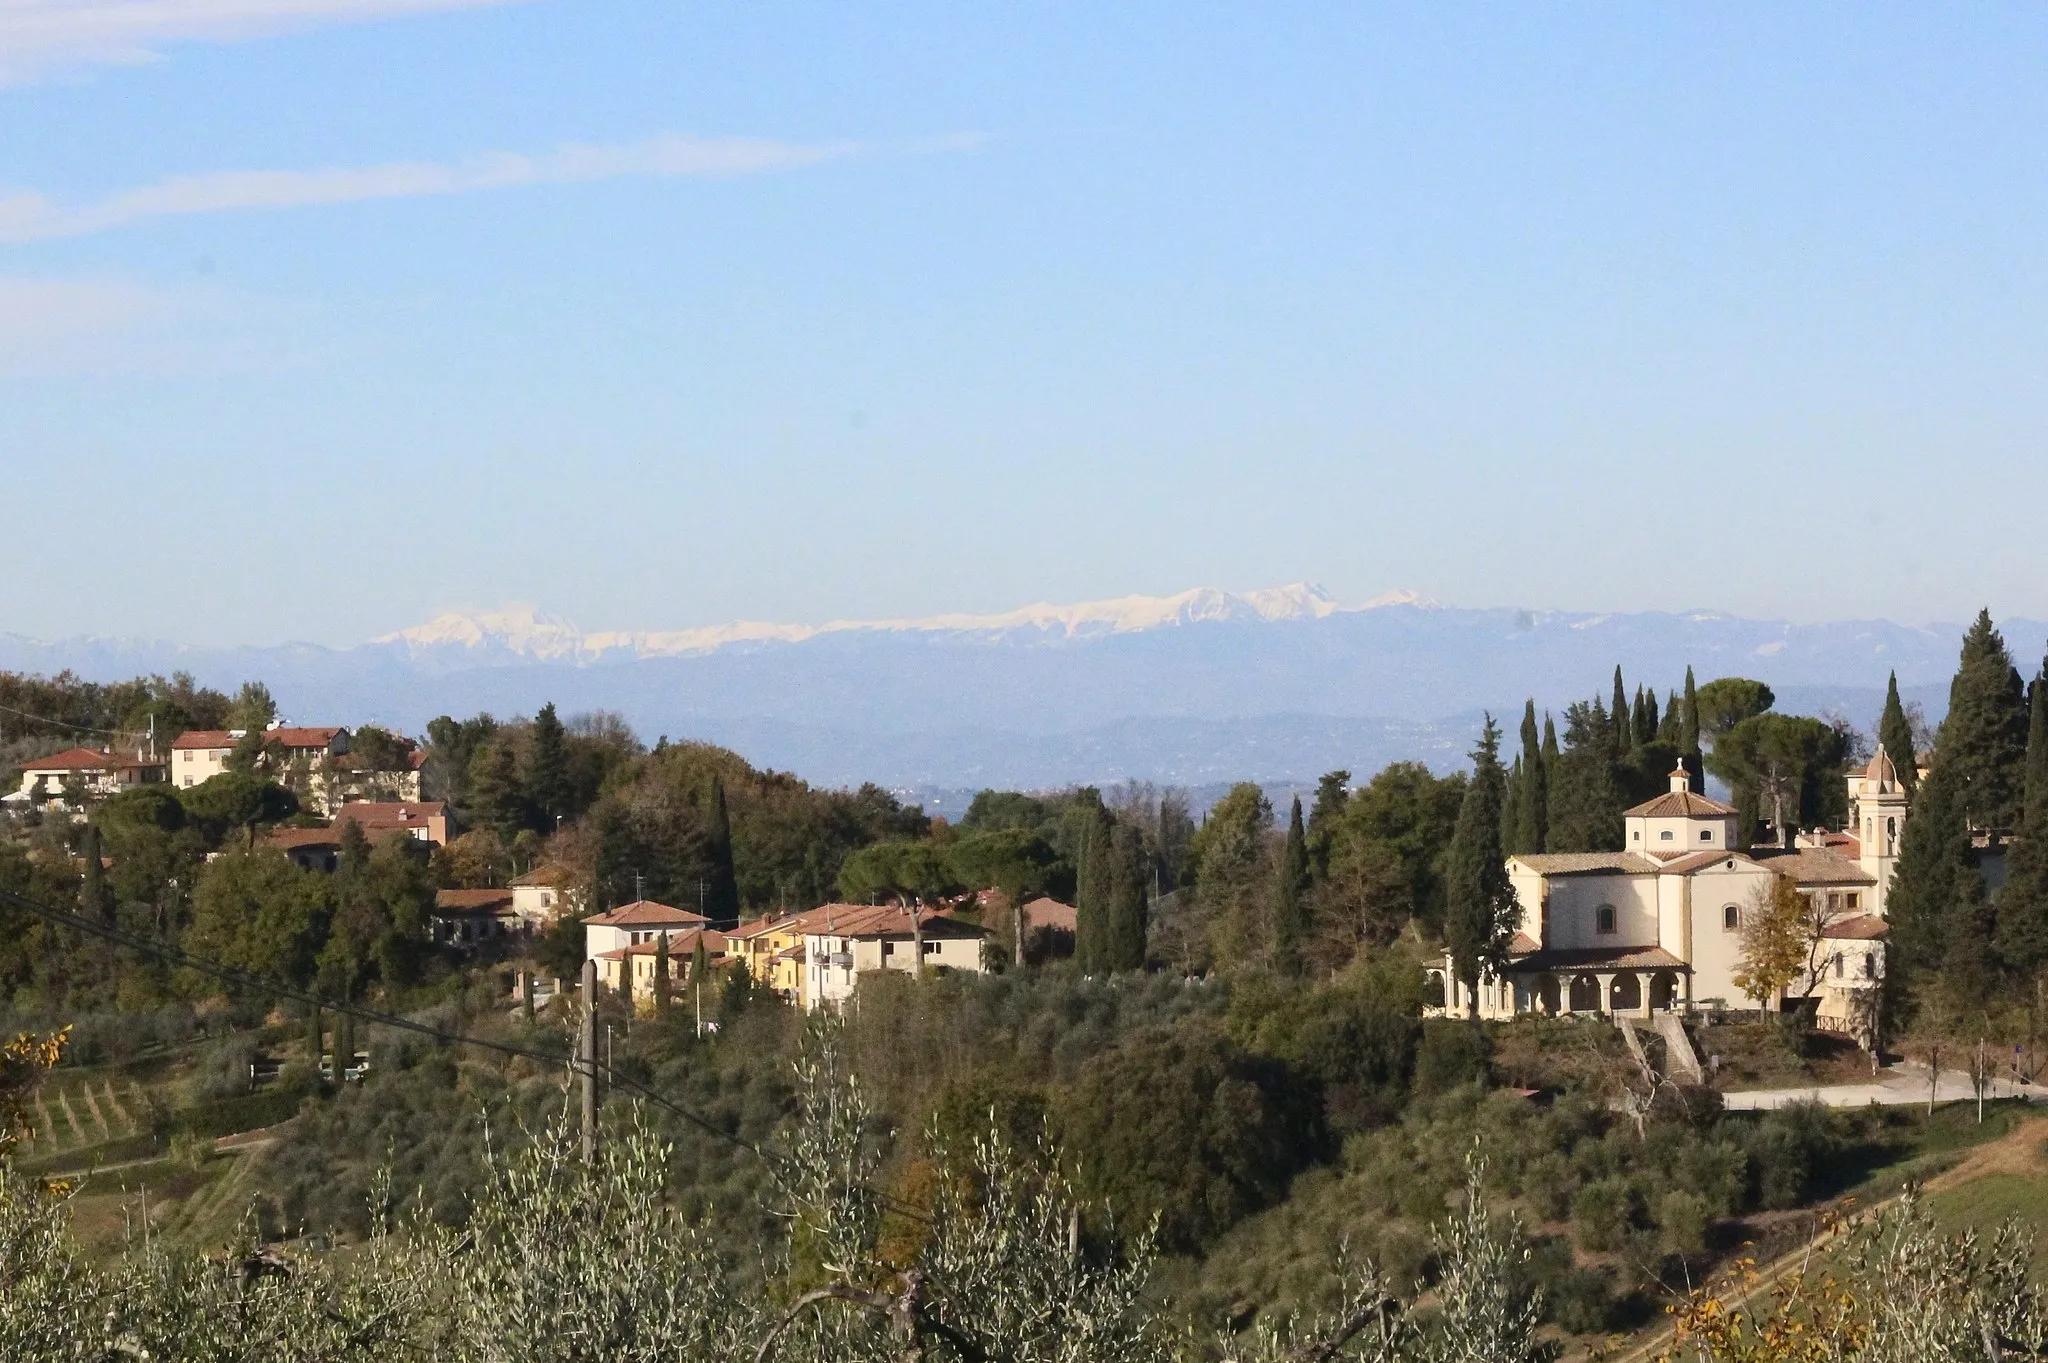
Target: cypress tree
x=1511, y=808
x=355, y=852
x=316, y=1039
x=1668, y=726
x=1532, y=801
x=1125, y=944
x=1480, y=909
x=547, y=768
x=1645, y=717
x=95, y=899
x=1689, y=734
x=721, y=887
x=1332, y=797
x=2035, y=791
x=1094, y=886
x=344, y=1043
x=2022, y=934
x=1934, y=855
x=1983, y=739
x=700, y=962
x=1550, y=762
x=1617, y=714
x=1290, y=914
x=1895, y=737
x=661, y=975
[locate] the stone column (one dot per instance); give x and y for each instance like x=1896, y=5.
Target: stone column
x=1606, y=992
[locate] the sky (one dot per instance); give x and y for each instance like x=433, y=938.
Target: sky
x=321, y=317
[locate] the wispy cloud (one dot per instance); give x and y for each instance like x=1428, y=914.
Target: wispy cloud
x=51, y=326
x=37, y=36
x=26, y=215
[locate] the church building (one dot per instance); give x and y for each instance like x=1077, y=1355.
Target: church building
x=1658, y=926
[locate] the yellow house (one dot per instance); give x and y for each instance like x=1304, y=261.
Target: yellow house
x=772, y=949
x=632, y=967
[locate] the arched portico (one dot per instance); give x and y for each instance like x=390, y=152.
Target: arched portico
x=1625, y=993
x=1584, y=995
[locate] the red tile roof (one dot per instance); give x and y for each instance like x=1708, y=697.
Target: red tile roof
x=291, y=839
x=642, y=913
x=679, y=944
x=1863, y=927
x=1046, y=912
x=78, y=759
x=290, y=736
x=381, y=815
x=1598, y=958
x=1680, y=804
x=471, y=901
x=882, y=920
x=551, y=874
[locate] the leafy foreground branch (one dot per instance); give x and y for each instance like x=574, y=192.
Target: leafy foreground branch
x=998, y=1262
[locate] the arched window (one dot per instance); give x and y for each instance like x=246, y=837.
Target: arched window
x=1731, y=917
x=1838, y=965
x=1603, y=918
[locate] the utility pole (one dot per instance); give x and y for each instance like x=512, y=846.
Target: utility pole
x=586, y=1061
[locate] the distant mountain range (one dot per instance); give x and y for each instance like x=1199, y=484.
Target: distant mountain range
x=1194, y=689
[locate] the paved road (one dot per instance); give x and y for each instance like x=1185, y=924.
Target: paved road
x=1896, y=1084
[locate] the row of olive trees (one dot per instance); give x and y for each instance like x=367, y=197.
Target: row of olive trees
x=567, y=1262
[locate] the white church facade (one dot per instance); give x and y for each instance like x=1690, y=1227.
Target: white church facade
x=1659, y=926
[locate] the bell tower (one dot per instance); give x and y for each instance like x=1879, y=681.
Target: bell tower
x=1877, y=814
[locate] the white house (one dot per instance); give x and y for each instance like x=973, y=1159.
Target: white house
x=1659, y=926
x=93, y=772
x=198, y=755
x=629, y=925
x=546, y=893
x=842, y=940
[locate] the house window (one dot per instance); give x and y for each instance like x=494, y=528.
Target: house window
x=1853, y=900
x=1603, y=918
x=1838, y=965
x=1637, y=835
x=1666, y=835
x=1706, y=835
x=1869, y=966
x=1731, y=917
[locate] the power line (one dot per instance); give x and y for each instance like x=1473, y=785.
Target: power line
x=75, y=728
x=249, y=980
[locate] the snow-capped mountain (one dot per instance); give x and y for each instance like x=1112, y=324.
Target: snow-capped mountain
x=1198, y=687
x=520, y=632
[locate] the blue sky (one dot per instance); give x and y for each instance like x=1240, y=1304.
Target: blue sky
x=318, y=317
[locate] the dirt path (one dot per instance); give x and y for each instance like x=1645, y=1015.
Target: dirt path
x=2019, y=1151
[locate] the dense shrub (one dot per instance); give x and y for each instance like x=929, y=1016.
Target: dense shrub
x=1183, y=1123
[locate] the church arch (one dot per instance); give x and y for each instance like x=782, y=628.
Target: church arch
x=1626, y=995
x=1585, y=994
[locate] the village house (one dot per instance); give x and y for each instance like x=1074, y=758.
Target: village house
x=771, y=949
x=426, y=820
x=843, y=940
x=630, y=925
x=90, y=773
x=1660, y=926
x=306, y=761
x=547, y=892
x=357, y=781
x=466, y=917
x=311, y=849
x=633, y=968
